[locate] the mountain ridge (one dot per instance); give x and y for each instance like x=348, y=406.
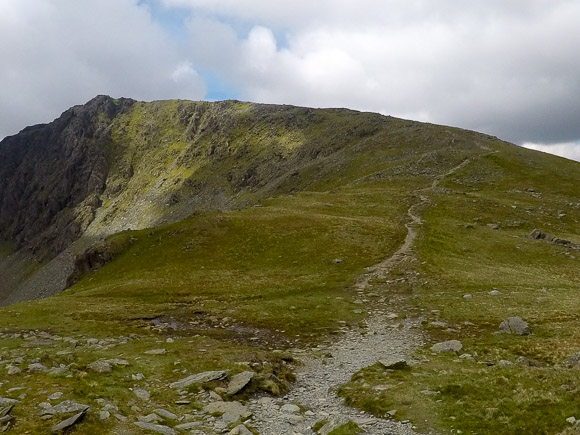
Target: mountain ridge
x=118, y=164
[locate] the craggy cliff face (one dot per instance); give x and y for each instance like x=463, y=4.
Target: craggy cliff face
x=52, y=176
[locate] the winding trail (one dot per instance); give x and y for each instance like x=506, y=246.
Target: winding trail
x=327, y=367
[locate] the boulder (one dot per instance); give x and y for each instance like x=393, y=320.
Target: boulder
x=142, y=394
x=515, y=325
x=290, y=408
x=452, y=346
x=240, y=430
x=100, y=366
x=393, y=363
x=239, y=381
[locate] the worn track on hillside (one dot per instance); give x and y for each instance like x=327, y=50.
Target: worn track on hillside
x=384, y=336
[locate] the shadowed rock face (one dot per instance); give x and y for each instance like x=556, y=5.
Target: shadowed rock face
x=51, y=176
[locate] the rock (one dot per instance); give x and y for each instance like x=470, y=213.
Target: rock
x=232, y=408
x=104, y=415
x=199, y=378
x=467, y=296
x=156, y=352
x=290, y=408
x=13, y=370
x=188, y=426
x=117, y=362
x=150, y=418
x=6, y=411
x=447, y=346
x=166, y=414
x=393, y=363
x=572, y=360
x=138, y=376
x=55, y=396
x=183, y=402
x=526, y=362
x=238, y=382
x=100, y=366
x=165, y=430
x=504, y=363
x=336, y=261
x=215, y=397
x=333, y=423
x=493, y=292
x=240, y=430
x=571, y=420
x=65, y=407
x=515, y=325
x=142, y=394
x=438, y=324
x=65, y=424
x=37, y=368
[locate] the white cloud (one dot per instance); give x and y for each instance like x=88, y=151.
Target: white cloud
x=57, y=53
x=570, y=150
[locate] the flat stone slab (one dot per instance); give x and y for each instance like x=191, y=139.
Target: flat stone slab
x=199, y=378
x=65, y=407
x=234, y=410
x=65, y=424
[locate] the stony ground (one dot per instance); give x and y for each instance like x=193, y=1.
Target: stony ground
x=313, y=397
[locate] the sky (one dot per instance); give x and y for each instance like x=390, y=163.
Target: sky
x=507, y=68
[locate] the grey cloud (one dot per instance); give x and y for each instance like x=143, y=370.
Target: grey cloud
x=507, y=68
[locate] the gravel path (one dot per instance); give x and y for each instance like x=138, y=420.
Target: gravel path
x=328, y=367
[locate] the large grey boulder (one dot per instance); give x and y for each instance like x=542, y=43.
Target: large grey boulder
x=452, y=346
x=515, y=325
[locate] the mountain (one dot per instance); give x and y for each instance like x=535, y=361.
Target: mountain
x=195, y=236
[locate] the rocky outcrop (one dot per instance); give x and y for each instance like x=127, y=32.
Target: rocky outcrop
x=540, y=235
x=52, y=176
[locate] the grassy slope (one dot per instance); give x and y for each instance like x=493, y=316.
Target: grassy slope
x=460, y=254
x=238, y=284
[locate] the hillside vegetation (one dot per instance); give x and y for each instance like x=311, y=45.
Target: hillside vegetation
x=231, y=235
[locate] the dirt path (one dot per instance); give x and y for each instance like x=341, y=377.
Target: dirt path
x=327, y=367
